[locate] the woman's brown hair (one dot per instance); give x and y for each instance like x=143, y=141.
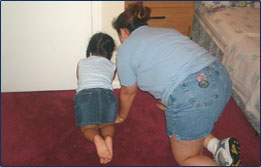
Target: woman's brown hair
x=134, y=16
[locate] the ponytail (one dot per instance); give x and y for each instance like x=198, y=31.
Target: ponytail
x=133, y=17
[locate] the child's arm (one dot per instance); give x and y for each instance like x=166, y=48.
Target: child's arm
x=115, y=72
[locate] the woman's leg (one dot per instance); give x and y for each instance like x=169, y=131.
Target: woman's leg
x=189, y=153
x=207, y=140
x=92, y=133
x=226, y=152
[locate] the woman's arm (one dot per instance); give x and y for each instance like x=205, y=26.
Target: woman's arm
x=127, y=95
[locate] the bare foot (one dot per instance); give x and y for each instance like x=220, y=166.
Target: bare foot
x=108, y=142
x=102, y=150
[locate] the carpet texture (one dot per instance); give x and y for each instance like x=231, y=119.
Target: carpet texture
x=38, y=129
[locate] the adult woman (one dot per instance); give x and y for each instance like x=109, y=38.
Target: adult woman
x=192, y=84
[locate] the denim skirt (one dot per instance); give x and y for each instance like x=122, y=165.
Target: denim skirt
x=95, y=106
x=192, y=108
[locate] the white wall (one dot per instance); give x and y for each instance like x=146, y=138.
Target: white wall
x=111, y=10
x=43, y=41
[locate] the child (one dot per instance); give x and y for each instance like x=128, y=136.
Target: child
x=95, y=103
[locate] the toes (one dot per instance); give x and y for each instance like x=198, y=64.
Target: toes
x=101, y=160
x=105, y=160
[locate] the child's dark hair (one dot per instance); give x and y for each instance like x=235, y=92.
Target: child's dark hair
x=101, y=44
x=133, y=17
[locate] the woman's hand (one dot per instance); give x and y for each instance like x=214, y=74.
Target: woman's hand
x=119, y=119
x=161, y=106
x=127, y=95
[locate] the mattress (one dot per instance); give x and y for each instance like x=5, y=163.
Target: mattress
x=233, y=35
x=226, y=24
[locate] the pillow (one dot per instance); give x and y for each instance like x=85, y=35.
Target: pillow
x=254, y=4
x=213, y=6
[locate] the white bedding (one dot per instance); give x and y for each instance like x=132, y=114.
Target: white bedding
x=242, y=60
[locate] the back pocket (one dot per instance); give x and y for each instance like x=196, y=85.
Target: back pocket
x=200, y=96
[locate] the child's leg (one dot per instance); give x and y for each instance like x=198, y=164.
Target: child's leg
x=107, y=131
x=92, y=133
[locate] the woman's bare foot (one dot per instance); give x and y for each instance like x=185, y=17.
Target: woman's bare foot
x=102, y=150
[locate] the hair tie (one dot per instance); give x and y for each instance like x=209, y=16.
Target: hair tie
x=139, y=16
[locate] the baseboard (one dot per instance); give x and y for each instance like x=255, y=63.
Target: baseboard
x=116, y=84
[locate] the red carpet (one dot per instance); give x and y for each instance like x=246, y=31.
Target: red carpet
x=38, y=129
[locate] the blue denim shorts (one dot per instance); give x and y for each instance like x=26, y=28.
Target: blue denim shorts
x=192, y=110
x=95, y=106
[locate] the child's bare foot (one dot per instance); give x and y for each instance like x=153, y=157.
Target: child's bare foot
x=108, y=142
x=102, y=150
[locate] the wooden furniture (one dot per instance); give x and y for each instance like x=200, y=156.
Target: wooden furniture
x=170, y=14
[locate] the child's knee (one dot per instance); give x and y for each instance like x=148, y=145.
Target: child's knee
x=89, y=127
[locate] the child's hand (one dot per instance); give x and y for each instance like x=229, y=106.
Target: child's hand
x=119, y=119
x=161, y=106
